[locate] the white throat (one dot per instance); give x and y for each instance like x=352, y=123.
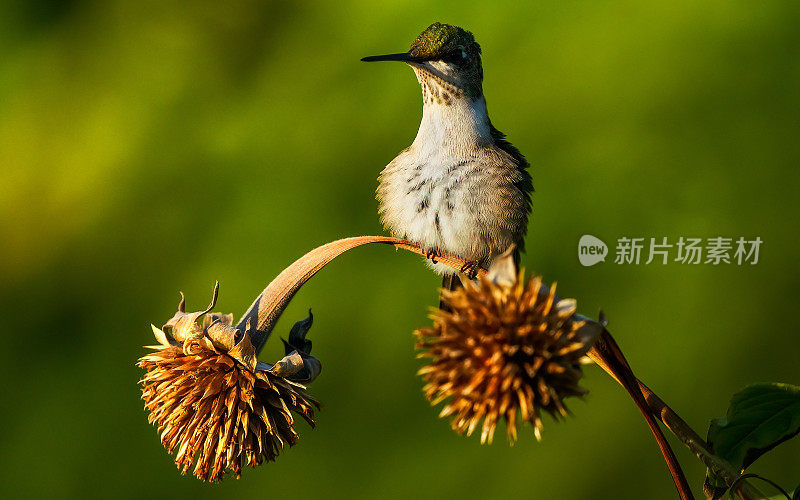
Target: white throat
x=452, y=124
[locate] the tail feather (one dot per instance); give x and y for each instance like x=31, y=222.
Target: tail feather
x=450, y=282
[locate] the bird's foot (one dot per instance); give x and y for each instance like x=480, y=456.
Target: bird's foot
x=470, y=268
x=432, y=254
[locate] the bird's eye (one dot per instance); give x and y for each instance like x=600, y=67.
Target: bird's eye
x=458, y=56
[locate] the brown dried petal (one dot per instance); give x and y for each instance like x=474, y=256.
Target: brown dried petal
x=222, y=335
x=184, y=325
x=160, y=336
x=288, y=365
x=244, y=353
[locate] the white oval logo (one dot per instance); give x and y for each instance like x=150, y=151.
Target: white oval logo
x=591, y=250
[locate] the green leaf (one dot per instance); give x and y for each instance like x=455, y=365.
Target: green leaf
x=759, y=418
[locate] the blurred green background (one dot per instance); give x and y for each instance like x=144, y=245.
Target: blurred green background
x=149, y=147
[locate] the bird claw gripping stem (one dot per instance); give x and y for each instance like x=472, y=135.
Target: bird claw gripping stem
x=432, y=255
x=471, y=268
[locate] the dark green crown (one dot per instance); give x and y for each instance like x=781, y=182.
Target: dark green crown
x=439, y=39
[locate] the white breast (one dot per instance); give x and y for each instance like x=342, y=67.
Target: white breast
x=435, y=192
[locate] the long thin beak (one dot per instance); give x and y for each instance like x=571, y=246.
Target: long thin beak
x=403, y=56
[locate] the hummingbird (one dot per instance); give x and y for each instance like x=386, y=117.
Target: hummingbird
x=460, y=188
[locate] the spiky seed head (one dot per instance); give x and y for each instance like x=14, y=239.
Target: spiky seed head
x=506, y=348
x=214, y=405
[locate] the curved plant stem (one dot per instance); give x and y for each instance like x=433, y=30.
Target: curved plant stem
x=607, y=350
x=697, y=445
x=270, y=304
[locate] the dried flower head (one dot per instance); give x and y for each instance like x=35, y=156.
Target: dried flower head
x=506, y=347
x=214, y=403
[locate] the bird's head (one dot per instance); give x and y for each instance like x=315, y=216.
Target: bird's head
x=446, y=58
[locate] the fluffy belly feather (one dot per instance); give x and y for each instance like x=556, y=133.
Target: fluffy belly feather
x=459, y=206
